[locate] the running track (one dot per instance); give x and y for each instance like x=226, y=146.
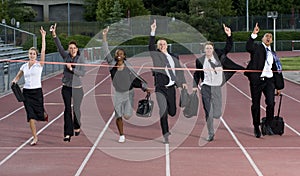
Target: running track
x=235, y=151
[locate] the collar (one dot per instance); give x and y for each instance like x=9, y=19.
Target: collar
x=269, y=47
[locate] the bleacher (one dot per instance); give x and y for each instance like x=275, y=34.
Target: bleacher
x=10, y=52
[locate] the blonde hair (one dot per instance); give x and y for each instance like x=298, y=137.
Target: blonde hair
x=34, y=49
x=209, y=43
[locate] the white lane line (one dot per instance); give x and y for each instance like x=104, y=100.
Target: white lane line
x=288, y=126
x=40, y=131
x=26, y=142
x=80, y=169
x=88, y=156
x=250, y=160
x=258, y=172
x=23, y=106
x=168, y=163
x=46, y=94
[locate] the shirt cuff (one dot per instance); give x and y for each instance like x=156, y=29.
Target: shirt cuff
x=253, y=36
x=152, y=33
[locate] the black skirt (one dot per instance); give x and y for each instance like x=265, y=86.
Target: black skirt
x=34, y=104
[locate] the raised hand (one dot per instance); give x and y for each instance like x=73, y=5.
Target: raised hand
x=256, y=29
x=53, y=30
x=43, y=32
x=227, y=30
x=153, y=26
x=105, y=31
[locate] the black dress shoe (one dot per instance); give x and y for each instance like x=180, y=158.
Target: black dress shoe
x=77, y=132
x=257, y=132
x=210, y=138
x=67, y=138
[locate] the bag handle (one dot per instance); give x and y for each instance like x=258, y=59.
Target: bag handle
x=279, y=107
x=148, y=96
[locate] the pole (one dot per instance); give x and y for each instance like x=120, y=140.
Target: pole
x=247, y=14
x=274, y=24
x=68, y=17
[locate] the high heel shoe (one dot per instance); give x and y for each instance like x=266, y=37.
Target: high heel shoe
x=67, y=138
x=46, y=117
x=77, y=132
x=34, y=142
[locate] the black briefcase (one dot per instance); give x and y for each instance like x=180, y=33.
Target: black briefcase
x=145, y=107
x=18, y=92
x=277, y=123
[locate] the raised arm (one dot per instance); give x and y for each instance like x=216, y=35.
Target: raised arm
x=250, y=43
x=107, y=54
x=43, y=50
x=229, y=41
x=151, y=46
x=60, y=48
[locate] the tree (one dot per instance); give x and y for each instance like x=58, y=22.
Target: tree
x=130, y=8
x=162, y=7
x=205, y=15
x=90, y=7
x=14, y=9
x=259, y=7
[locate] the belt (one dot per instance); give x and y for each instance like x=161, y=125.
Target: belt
x=265, y=78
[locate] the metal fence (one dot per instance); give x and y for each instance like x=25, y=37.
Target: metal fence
x=8, y=70
x=140, y=25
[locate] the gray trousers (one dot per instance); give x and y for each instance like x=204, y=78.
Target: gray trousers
x=212, y=105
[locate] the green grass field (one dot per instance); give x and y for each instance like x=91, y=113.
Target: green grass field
x=290, y=63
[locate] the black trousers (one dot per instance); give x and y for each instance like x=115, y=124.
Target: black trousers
x=71, y=123
x=266, y=87
x=166, y=100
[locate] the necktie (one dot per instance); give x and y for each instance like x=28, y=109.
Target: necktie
x=214, y=65
x=267, y=50
x=277, y=62
x=173, y=78
x=276, y=59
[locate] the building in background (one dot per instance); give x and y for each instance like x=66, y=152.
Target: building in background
x=56, y=10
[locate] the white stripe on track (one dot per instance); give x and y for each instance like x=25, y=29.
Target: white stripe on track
x=41, y=130
x=86, y=159
x=80, y=169
x=46, y=94
x=168, y=164
x=258, y=172
x=242, y=148
x=288, y=126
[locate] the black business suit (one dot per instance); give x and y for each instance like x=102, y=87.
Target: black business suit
x=167, y=102
x=260, y=85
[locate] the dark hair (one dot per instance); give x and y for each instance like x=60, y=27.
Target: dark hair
x=74, y=43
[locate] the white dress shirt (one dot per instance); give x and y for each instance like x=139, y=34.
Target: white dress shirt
x=32, y=75
x=212, y=77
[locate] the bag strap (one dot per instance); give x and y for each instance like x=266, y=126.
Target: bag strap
x=279, y=107
x=148, y=96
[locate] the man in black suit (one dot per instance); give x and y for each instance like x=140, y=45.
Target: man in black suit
x=265, y=64
x=166, y=79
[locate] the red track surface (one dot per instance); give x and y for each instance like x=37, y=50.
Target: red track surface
x=235, y=150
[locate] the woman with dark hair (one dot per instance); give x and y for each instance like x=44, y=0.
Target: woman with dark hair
x=32, y=89
x=124, y=79
x=72, y=85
